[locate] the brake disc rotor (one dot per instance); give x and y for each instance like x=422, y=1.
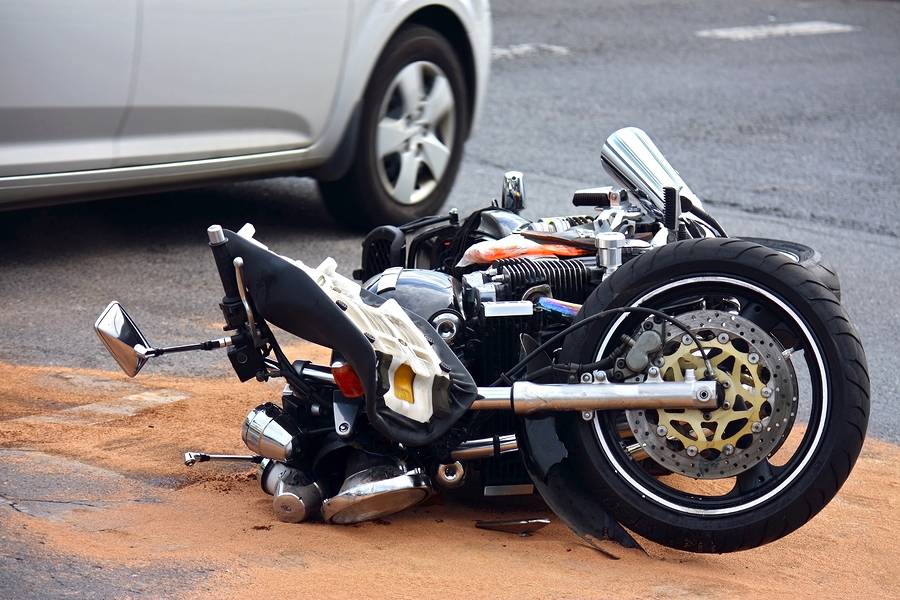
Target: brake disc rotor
x=756, y=413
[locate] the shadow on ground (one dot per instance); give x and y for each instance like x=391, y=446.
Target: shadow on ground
x=280, y=206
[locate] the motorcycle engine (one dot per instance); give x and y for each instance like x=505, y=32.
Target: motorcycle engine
x=487, y=342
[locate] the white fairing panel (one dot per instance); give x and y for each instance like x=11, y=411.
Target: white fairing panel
x=227, y=77
x=394, y=332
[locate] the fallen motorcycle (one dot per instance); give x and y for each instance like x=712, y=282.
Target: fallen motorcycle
x=634, y=365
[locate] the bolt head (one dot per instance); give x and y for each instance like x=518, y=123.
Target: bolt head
x=756, y=427
x=661, y=430
x=653, y=371
x=766, y=392
x=691, y=450
x=344, y=427
x=686, y=340
x=753, y=358
x=587, y=415
x=722, y=338
x=703, y=395
x=587, y=378
x=728, y=449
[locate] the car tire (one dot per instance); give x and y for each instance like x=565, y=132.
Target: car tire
x=407, y=134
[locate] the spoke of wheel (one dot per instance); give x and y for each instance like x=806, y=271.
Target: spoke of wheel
x=436, y=155
x=406, y=180
x=391, y=135
x=755, y=477
x=438, y=102
x=411, y=86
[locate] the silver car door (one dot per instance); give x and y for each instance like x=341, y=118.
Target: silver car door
x=230, y=77
x=65, y=70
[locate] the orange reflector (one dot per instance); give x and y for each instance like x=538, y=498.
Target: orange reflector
x=347, y=379
x=403, y=384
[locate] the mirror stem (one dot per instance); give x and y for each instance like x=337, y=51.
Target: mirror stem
x=209, y=345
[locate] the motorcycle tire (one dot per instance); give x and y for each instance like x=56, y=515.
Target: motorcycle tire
x=835, y=434
x=806, y=256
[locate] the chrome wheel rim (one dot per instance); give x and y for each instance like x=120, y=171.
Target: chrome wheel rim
x=818, y=427
x=415, y=131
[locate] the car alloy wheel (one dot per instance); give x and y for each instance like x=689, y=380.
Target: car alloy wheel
x=415, y=132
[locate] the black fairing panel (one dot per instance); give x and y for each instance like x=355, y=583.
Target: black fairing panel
x=545, y=458
x=288, y=298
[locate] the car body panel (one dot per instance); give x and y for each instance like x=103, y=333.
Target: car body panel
x=226, y=77
x=62, y=103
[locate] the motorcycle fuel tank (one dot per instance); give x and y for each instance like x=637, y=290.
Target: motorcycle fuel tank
x=423, y=292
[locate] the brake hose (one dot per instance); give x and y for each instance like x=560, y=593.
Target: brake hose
x=508, y=376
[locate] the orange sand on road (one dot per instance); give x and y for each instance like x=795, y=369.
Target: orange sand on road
x=218, y=516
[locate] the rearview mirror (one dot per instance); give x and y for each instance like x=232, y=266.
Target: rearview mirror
x=122, y=338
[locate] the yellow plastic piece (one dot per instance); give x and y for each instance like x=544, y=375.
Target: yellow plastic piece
x=403, y=384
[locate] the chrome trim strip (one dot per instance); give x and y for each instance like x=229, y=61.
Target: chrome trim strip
x=513, y=308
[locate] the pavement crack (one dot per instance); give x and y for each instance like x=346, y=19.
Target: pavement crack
x=14, y=501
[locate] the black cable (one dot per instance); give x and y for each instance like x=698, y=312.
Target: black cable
x=704, y=216
x=288, y=372
x=511, y=373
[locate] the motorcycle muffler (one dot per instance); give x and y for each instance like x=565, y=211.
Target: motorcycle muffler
x=295, y=498
x=269, y=432
x=375, y=486
x=524, y=397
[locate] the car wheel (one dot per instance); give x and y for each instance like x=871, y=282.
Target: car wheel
x=412, y=129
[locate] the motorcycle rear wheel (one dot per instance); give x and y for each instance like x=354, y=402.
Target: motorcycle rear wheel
x=768, y=501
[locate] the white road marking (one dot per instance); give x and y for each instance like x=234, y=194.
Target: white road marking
x=100, y=412
x=522, y=50
x=758, y=32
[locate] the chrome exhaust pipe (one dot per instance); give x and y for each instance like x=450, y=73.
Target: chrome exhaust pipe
x=525, y=397
x=294, y=498
x=269, y=432
x=484, y=448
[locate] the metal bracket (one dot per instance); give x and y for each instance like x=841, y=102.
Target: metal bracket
x=345, y=414
x=192, y=458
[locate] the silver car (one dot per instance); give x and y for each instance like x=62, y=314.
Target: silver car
x=373, y=98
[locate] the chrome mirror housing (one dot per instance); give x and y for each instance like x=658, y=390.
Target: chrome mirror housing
x=122, y=338
x=634, y=161
x=512, y=195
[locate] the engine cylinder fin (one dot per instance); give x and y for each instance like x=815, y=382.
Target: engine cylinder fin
x=568, y=279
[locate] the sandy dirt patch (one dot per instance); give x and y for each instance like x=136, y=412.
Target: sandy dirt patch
x=164, y=515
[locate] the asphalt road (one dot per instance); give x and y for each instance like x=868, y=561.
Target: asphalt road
x=795, y=137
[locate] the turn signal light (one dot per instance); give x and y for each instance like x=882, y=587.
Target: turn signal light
x=347, y=380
